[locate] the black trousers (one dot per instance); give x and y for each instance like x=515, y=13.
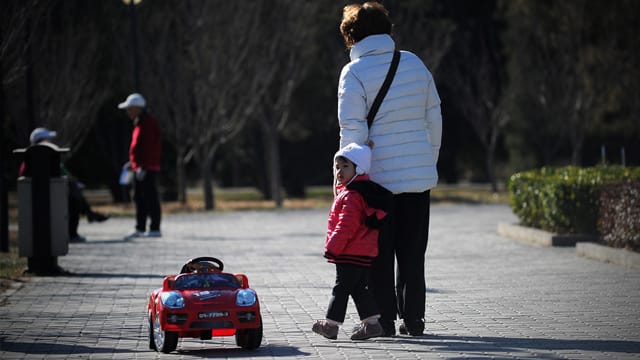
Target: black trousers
x=147, y=202
x=351, y=280
x=78, y=205
x=403, y=239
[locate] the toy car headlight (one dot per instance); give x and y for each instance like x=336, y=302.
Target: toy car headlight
x=246, y=297
x=172, y=300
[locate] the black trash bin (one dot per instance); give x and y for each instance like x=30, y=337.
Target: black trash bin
x=43, y=215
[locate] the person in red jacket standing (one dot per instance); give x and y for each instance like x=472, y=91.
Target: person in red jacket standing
x=352, y=242
x=144, y=161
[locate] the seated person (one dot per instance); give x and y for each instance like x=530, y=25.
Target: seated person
x=77, y=202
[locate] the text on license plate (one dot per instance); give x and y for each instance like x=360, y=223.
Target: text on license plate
x=213, y=314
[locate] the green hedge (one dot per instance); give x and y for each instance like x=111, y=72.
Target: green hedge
x=566, y=199
x=619, y=219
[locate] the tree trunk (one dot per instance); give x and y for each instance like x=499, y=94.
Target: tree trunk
x=207, y=183
x=276, y=179
x=270, y=134
x=28, y=73
x=576, y=153
x=577, y=140
x=181, y=185
x=491, y=160
x=491, y=171
x=4, y=193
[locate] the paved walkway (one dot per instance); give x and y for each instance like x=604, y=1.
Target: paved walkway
x=488, y=297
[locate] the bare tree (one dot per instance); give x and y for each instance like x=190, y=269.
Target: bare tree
x=68, y=95
x=286, y=57
x=222, y=80
x=536, y=79
x=13, y=21
x=18, y=20
x=171, y=92
x=479, y=85
x=418, y=28
x=564, y=56
x=57, y=63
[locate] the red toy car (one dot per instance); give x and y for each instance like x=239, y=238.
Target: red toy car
x=202, y=302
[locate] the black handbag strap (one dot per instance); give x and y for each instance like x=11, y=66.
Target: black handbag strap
x=385, y=87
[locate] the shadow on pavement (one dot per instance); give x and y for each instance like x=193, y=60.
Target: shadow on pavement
x=42, y=348
x=111, y=275
x=108, y=241
x=459, y=344
x=263, y=351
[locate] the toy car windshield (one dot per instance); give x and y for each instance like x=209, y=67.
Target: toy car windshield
x=203, y=281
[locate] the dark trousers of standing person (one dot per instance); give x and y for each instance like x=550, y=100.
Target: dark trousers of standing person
x=351, y=280
x=77, y=205
x=74, y=217
x=403, y=238
x=147, y=202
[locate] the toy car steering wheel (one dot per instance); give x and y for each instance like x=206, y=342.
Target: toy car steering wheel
x=202, y=264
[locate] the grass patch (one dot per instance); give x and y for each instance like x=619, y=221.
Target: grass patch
x=12, y=266
x=472, y=194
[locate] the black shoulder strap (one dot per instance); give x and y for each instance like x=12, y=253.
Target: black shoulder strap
x=374, y=194
x=385, y=87
x=376, y=197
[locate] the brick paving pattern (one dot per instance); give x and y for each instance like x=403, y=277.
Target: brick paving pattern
x=488, y=297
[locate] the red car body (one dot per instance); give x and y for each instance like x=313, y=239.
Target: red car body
x=203, y=302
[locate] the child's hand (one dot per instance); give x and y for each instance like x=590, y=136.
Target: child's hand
x=369, y=143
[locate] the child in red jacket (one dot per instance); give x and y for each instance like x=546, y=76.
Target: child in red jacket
x=352, y=242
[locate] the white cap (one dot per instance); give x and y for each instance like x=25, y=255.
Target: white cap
x=360, y=155
x=39, y=134
x=133, y=100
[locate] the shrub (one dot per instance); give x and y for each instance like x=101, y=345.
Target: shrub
x=619, y=217
x=563, y=200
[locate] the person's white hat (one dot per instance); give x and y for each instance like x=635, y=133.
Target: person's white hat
x=133, y=100
x=39, y=134
x=360, y=155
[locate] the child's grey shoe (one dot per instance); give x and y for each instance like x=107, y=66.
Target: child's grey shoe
x=325, y=329
x=367, y=331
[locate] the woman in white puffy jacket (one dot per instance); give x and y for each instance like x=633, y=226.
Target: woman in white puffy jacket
x=406, y=134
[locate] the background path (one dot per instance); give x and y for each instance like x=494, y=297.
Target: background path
x=488, y=297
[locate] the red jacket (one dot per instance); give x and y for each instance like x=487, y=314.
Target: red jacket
x=145, y=148
x=349, y=240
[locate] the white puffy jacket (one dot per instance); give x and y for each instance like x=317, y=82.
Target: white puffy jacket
x=408, y=126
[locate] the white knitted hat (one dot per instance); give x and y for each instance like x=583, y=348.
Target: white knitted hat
x=360, y=155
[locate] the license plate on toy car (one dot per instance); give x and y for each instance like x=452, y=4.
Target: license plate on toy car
x=213, y=314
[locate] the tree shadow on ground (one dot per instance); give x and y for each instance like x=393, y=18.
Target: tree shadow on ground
x=493, y=345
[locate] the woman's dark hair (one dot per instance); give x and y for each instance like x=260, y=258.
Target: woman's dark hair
x=360, y=21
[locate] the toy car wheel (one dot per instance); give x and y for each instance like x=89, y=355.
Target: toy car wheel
x=249, y=339
x=152, y=344
x=164, y=341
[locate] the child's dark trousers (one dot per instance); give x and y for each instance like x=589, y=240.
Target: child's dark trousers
x=351, y=280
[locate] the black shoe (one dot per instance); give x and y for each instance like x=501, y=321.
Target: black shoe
x=388, y=327
x=412, y=327
x=96, y=217
x=77, y=239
